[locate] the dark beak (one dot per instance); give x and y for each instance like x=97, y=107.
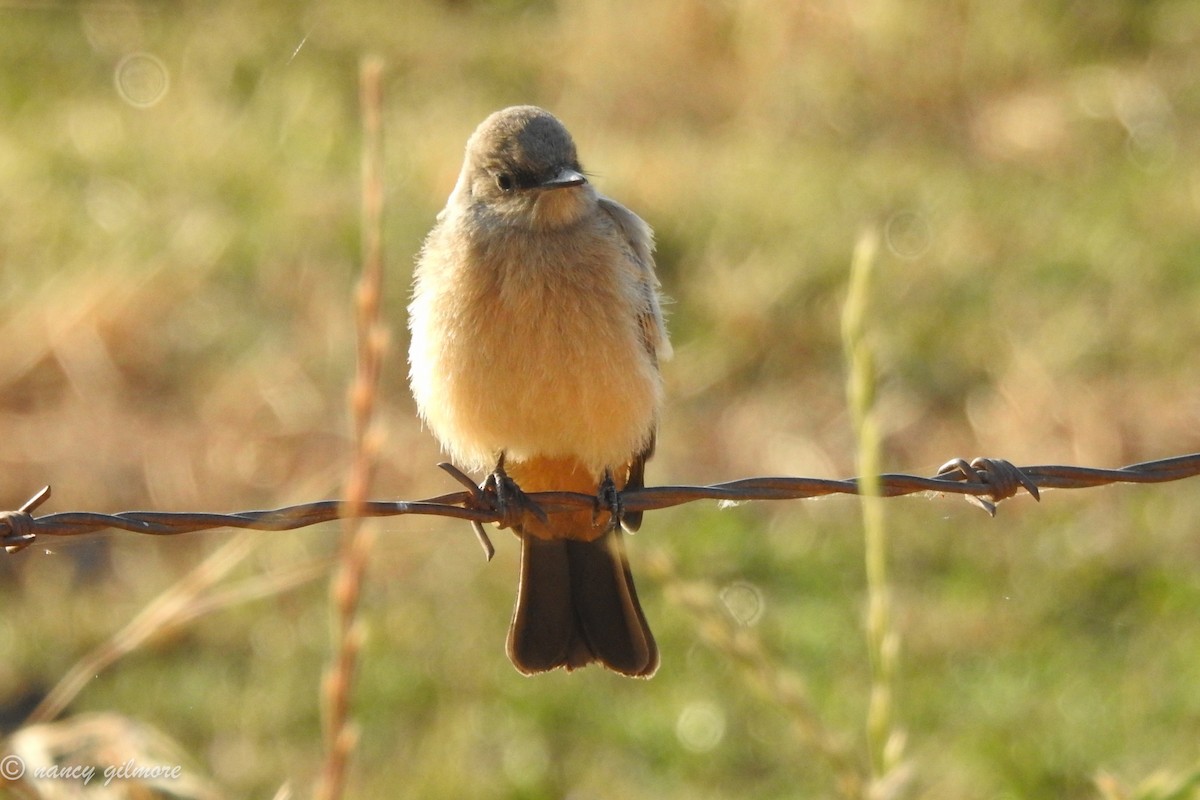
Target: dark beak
x=567, y=177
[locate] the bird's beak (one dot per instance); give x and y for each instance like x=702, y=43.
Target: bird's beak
x=568, y=177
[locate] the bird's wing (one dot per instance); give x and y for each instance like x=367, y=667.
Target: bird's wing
x=640, y=240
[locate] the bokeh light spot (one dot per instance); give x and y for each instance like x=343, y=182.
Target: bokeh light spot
x=907, y=234
x=142, y=79
x=744, y=601
x=701, y=726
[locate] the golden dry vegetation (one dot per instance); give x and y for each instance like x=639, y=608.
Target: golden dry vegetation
x=179, y=241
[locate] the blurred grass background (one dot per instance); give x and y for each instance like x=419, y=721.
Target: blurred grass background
x=179, y=238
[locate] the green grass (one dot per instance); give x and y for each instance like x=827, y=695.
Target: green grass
x=177, y=333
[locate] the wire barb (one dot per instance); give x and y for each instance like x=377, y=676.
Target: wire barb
x=16, y=527
x=1004, y=478
x=476, y=500
x=984, y=481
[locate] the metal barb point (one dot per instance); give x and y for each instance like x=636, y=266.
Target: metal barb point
x=489, y=550
x=1004, y=478
x=20, y=533
x=41, y=496
x=477, y=499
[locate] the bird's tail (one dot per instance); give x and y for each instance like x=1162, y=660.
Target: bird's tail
x=576, y=603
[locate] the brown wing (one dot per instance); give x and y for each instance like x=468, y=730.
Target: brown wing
x=640, y=240
x=632, y=520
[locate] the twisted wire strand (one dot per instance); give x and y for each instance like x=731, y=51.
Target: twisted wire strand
x=984, y=481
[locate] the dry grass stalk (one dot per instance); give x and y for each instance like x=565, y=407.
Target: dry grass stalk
x=356, y=539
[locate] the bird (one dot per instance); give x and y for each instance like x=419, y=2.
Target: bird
x=536, y=333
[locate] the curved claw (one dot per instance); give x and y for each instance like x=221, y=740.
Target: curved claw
x=500, y=495
x=509, y=501
x=608, y=498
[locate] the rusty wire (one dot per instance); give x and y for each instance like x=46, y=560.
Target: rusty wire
x=983, y=481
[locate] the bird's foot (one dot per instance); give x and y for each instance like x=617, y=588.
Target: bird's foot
x=608, y=500
x=508, y=499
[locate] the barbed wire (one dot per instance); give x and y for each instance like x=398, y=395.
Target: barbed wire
x=982, y=481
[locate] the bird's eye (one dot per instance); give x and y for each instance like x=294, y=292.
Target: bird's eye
x=505, y=182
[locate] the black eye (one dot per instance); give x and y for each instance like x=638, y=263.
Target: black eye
x=505, y=182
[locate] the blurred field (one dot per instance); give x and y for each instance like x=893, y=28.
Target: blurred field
x=179, y=239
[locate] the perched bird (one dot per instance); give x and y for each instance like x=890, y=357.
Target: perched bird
x=537, y=331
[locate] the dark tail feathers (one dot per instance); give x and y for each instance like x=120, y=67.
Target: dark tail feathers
x=576, y=604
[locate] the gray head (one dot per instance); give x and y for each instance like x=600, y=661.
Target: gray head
x=521, y=165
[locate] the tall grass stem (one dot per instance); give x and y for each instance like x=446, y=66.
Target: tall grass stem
x=884, y=741
x=357, y=539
